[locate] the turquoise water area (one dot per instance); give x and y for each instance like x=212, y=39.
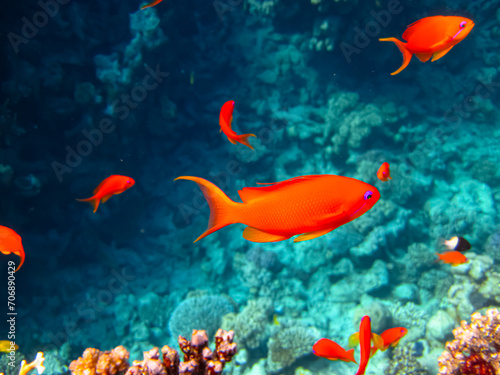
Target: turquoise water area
x=92, y=88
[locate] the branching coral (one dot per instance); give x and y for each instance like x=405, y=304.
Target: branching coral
x=198, y=358
x=476, y=348
x=95, y=362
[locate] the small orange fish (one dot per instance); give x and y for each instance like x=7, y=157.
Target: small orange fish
x=7, y=346
x=331, y=350
x=10, y=242
x=431, y=37
x=365, y=339
x=384, y=172
x=225, y=120
x=454, y=258
x=152, y=4
x=392, y=336
x=307, y=205
x=114, y=184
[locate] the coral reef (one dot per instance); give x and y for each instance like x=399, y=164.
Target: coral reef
x=198, y=358
x=95, y=362
x=476, y=347
x=199, y=312
x=403, y=362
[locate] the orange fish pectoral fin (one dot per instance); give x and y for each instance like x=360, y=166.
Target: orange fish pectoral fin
x=402, y=47
x=311, y=235
x=437, y=55
x=257, y=235
x=94, y=202
x=353, y=340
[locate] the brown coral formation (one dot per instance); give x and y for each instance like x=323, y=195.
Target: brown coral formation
x=476, y=348
x=95, y=362
x=198, y=358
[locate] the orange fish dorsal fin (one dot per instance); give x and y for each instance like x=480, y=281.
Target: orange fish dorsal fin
x=311, y=235
x=249, y=193
x=353, y=340
x=257, y=235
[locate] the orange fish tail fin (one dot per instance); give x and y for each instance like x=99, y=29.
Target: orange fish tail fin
x=350, y=354
x=94, y=202
x=21, y=255
x=402, y=47
x=243, y=139
x=222, y=208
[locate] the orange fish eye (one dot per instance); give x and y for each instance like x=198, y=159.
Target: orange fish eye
x=462, y=24
x=368, y=195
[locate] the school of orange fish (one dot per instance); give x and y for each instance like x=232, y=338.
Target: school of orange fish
x=307, y=206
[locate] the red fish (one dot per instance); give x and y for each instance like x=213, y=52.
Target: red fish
x=454, y=258
x=384, y=172
x=431, y=37
x=331, y=350
x=114, y=184
x=152, y=4
x=225, y=120
x=364, y=338
x=390, y=337
x=307, y=205
x=10, y=242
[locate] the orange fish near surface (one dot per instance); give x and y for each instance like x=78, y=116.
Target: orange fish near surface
x=225, y=120
x=431, y=37
x=152, y=4
x=454, y=258
x=384, y=173
x=307, y=205
x=114, y=184
x=331, y=350
x=10, y=242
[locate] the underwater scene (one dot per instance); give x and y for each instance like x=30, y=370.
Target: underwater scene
x=248, y=187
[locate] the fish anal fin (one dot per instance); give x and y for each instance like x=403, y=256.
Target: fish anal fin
x=231, y=140
x=373, y=350
x=353, y=340
x=257, y=235
x=437, y=55
x=423, y=56
x=311, y=235
x=350, y=356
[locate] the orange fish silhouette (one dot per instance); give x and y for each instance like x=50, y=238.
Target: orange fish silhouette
x=307, y=205
x=225, y=121
x=331, y=350
x=10, y=242
x=431, y=37
x=384, y=173
x=454, y=258
x=114, y=184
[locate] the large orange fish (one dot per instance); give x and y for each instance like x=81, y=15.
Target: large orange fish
x=152, y=4
x=384, y=172
x=114, y=184
x=454, y=258
x=307, y=205
x=225, y=120
x=331, y=350
x=10, y=242
x=431, y=37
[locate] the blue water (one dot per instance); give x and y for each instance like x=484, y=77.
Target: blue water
x=90, y=89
